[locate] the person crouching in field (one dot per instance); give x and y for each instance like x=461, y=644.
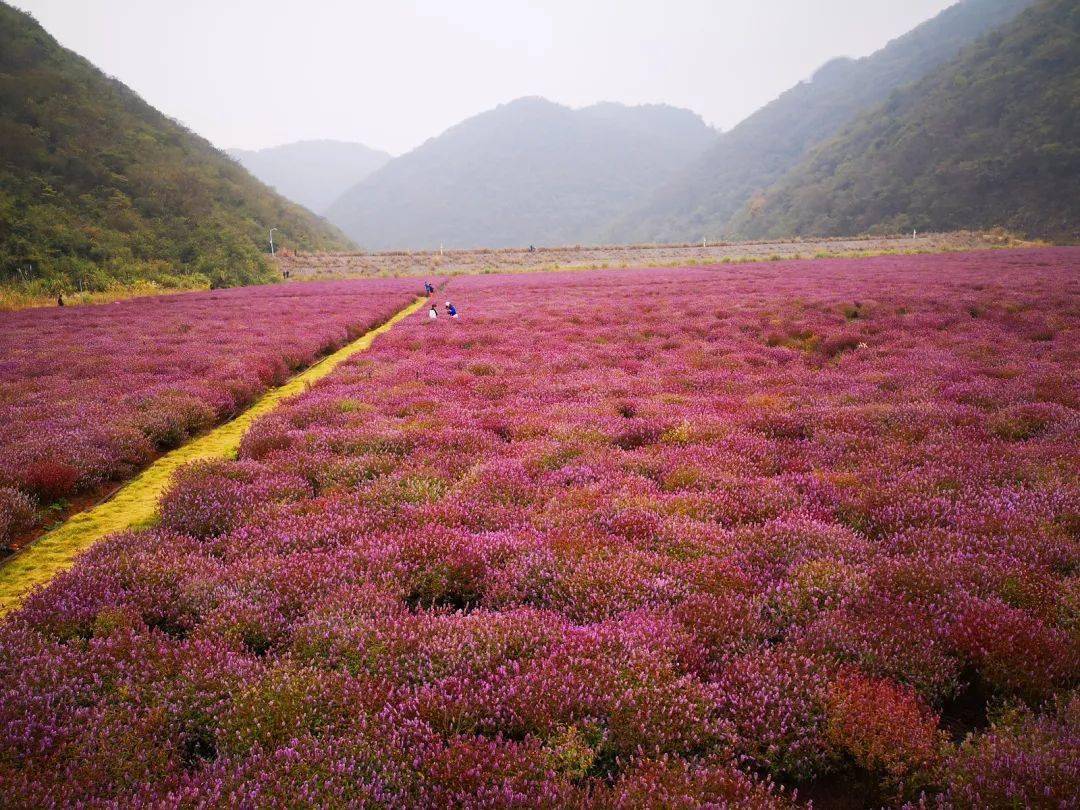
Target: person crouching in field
x=451, y=310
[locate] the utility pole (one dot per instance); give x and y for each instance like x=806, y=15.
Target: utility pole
x=272, y=241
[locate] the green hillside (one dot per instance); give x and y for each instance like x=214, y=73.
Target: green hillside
x=991, y=139
x=701, y=200
x=99, y=188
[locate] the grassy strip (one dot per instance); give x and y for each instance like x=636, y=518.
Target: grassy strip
x=135, y=505
x=13, y=297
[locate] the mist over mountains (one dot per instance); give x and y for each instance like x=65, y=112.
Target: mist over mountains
x=527, y=172
x=312, y=173
x=535, y=172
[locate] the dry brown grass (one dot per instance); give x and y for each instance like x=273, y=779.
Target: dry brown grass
x=490, y=260
x=11, y=299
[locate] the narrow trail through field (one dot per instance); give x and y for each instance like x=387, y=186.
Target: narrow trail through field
x=135, y=504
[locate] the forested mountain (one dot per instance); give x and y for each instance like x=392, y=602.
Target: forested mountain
x=527, y=172
x=702, y=199
x=96, y=186
x=312, y=173
x=992, y=139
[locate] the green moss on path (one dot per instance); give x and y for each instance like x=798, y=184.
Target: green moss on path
x=136, y=504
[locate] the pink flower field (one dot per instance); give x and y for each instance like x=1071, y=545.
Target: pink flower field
x=743, y=536
x=89, y=394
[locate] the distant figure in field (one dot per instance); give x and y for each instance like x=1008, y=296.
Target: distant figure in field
x=532, y=249
x=59, y=299
x=433, y=313
x=451, y=310
x=428, y=288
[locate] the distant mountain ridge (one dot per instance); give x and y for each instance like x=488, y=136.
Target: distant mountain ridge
x=98, y=187
x=312, y=173
x=527, y=172
x=701, y=200
x=991, y=139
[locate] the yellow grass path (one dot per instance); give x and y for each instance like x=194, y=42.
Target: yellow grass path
x=136, y=503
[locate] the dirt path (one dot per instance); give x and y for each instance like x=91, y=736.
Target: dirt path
x=135, y=504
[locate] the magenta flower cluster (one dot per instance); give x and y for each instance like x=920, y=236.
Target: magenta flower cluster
x=734, y=536
x=88, y=394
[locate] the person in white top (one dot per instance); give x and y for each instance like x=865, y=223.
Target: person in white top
x=433, y=313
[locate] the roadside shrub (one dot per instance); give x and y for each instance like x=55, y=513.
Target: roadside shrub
x=811, y=588
x=886, y=730
x=267, y=435
x=1012, y=650
x=1023, y=760
x=1024, y=422
x=776, y=703
x=889, y=638
x=170, y=419
x=637, y=432
x=210, y=498
x=287, y=704
x=17, y=513
x=442, y=568
x=49, y=480
x=673, y=783
x=835, y=345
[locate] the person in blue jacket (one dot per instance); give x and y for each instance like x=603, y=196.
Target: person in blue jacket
x=451, y=310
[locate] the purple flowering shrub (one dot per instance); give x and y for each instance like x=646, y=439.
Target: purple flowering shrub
x=209, y=498
x=88, y=394
x=16, y=513
x=678, y=538
x=886, y=731
x=1024, y=758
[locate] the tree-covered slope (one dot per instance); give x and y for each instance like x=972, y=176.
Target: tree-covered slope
x=527, y=172
x=991, y=139
x=98, y=187
x=312, y=173
x=702, y=199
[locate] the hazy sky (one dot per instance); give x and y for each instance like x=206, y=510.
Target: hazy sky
x=392, y=74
